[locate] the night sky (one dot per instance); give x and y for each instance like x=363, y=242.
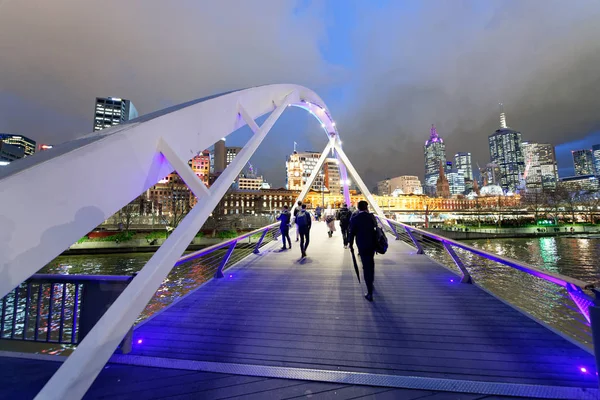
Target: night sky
x=386, y=69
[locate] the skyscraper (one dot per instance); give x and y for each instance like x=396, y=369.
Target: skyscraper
x=20, y=141
x=435, y=154
x=507, y=153
x=541, y=171
x=583, y=162
x=596, y=157
x=462, y=162
x=230, y=153
x=112, y=111
x=220, y=156
x=9, y=153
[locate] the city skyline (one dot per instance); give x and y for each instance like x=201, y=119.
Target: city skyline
x=387, y=96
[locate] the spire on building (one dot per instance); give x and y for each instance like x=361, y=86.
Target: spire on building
x=433, y=136
x=502, y=117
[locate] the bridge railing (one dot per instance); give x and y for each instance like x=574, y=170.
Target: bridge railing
x=59, y=309
x=560, y=302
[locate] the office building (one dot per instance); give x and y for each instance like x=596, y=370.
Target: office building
x=456, y=181
x=490, y=175
x=249, y=182
x=462, y=161
x=583, y=162
x=596, y=157
x=435, y=153
x=384, y=187
x=219, y=156
x=506, y=152
x=112, y=111
x=20, y=141
x=541, y=170
x=230, y=153
x=581, y=183
x=9, y=153
x=405, y=184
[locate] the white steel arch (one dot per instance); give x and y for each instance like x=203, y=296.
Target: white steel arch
x=50, y=200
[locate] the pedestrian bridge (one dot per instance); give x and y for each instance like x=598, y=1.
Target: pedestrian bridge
x=447, y=320
x=279, y=327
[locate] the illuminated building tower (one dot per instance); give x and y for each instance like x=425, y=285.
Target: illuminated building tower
x=435, y=154
x=583, y=162
x=541, y=170
x=20, y=141
x=462, y=161
x=112, y=111
x=596, y=157
x=506, y=152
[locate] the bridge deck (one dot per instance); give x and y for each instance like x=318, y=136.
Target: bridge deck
x=273, y=311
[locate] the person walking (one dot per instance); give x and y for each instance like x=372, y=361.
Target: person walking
x=330, y=220
x=296, y=211
x=362, y=228
x=343, y=215
x=304, y=223
x=318, y=212
x=284, y=227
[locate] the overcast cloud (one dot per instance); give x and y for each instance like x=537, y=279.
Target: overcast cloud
x=387, y=70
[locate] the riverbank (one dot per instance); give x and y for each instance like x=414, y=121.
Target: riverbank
x=133, y=246
x=470, y=233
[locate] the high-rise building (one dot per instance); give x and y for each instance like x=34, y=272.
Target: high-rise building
x=230, y=153
x=456, y=181
x=581, y=183
x=112, y=111
x=299, y=167
x=583, y=162
x=9, y=153
x=435, y=153
x=462, y=161
x=20, y=141
x=201, y=166
x=384, y=187
x=490, y=175
x=220, y=153
x=541, y=170
x=596, y=157
x=507, y=153
x=405, y=184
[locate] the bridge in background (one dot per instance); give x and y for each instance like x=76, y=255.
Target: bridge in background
x=270, y=325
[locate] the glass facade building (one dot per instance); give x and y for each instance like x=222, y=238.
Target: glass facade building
x=435, y=154
x=541, y=170
x=506, y=152
x=462, y=161
x=583, y=162
x=112, y=111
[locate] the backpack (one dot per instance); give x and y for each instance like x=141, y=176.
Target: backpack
x=381, y=242
x=301, y=218
x=344, y=216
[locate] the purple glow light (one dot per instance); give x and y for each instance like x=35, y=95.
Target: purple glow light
x=139, y=341
x=452, y=280
x=231, y=276
x=583, y=369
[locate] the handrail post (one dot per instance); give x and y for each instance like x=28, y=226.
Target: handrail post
x=393, y=228
x=256, y=249
x=594, y=314
x=466, y=278
x=417, y=244
x=219, y=273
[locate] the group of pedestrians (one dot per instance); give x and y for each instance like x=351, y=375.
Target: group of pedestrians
x=356, y=226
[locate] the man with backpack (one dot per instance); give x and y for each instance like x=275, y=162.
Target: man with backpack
x=303, y=223
x=343, y=215
x=296, y=211
x=364, y=228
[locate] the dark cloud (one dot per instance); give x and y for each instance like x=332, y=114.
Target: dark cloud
x=411, y=63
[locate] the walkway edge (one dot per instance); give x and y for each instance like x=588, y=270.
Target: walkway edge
x=367, y=379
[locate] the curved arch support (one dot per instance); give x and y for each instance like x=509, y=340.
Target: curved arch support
x=52, y=199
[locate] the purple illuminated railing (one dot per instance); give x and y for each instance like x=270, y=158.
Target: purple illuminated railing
x=571, y=297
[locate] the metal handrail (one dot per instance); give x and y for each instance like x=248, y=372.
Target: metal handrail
x=224, y=244
x=558, y=279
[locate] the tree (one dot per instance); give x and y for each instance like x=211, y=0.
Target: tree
x=535, y=201
x=590, y=200
x=127, y=214
x=570, y=198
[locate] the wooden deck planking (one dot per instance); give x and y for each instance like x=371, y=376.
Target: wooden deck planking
x=275, y=310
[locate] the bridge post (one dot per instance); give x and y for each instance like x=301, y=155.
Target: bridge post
x=256, y=249
x=393, y=228
x=466, y=278
x=415, y=241
x=219, y=273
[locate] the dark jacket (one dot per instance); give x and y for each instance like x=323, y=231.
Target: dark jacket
x=362, y=227
x=344, y=215
x=305, y=215
x=284, y=217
